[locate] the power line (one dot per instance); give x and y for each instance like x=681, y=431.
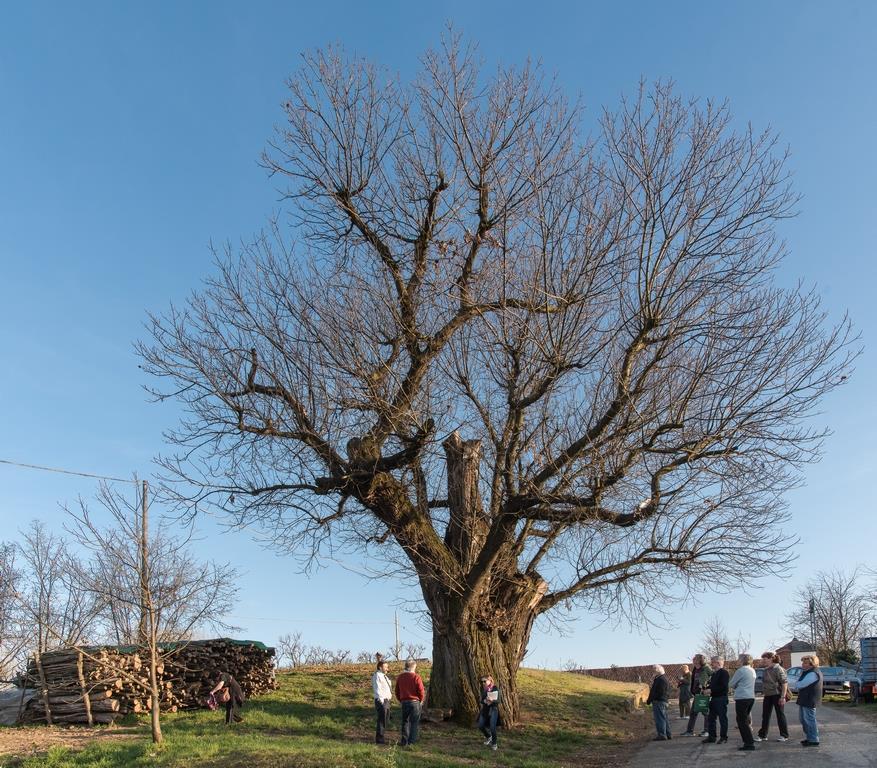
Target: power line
x=67, y=471
x=306, y=621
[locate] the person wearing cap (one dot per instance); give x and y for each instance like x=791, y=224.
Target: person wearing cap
x=489, y=715
x=411, y=693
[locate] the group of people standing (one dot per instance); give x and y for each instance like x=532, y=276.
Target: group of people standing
x=714, y=681
x=410, y=693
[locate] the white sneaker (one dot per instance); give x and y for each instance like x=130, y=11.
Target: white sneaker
x=782, y=738
x=488, y=742
x=758, y=738
x=494, y=747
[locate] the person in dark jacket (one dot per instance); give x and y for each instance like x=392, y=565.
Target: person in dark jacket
x=489, y=715
x=659, y=694
x=235, y=698
x=684, y=684
x=718, y=688
x=809, y=689
x=700, y=676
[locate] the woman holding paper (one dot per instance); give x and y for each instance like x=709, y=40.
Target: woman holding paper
x=489, y=710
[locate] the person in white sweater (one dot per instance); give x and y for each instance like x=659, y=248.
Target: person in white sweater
x=382, y=693
x=743, y=685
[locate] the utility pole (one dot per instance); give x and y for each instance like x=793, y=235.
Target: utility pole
x=398, y=647
x=142, y=629
x=813, y=623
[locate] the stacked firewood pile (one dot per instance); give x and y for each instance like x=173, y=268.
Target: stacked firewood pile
x=97, y=685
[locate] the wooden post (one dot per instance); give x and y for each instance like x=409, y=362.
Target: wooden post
x=44, y=690
x=86, y=699
x=142, y=630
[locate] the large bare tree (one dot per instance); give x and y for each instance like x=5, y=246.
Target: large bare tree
x=537, y=370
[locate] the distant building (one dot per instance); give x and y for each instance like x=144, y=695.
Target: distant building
x=790, y=654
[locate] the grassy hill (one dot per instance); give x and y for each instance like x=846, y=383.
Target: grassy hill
x=323, y=718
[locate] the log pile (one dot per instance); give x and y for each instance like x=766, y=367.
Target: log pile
x=97, y=685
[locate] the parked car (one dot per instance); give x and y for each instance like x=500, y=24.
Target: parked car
x=759, y=681
x=834, y=679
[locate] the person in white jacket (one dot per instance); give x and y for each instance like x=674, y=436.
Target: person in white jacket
x=743, y=685
x=383, y=692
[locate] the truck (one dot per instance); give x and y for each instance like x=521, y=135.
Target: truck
x=868, y=668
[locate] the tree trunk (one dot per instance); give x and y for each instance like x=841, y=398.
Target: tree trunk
x=155, y=694
x=489, y=634
x=465, y=648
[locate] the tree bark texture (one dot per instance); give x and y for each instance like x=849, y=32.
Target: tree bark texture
x=486, y=632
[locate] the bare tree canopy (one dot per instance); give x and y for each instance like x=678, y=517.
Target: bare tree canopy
x=188, y=595
x=536, y=369
x=716, y=642
x=843, y=611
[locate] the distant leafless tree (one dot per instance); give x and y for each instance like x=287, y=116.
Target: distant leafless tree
x=414, y=650
x=540, y=371
x=13, y=634
x=57, y=612
x=715, y=641
x=291, y=648
x=843, y=611
x=153, y=577
x=318, y=656
x=188, y=593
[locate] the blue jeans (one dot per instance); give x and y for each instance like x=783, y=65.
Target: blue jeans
x=807, y=716
x=487, y=722
x=410, y=721
x=659, y=712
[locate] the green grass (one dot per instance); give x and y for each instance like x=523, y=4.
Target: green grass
x=323, y=718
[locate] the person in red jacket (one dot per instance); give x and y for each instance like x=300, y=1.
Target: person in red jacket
x=411, y=693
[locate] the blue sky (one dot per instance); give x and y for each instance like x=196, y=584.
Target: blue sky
x=129, y=139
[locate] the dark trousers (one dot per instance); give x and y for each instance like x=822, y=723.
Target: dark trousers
x=692, y=721
x=743, y=710
x=487, y=720
x=775, y=703
x=410, y=721
x=684, y=707
x=382, y=711
x=718, y=711
x=233, y=710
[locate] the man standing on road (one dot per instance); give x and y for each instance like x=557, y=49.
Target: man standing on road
x=718, y=688
x=659, y=693
x=383, y=694
x=411, y=693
